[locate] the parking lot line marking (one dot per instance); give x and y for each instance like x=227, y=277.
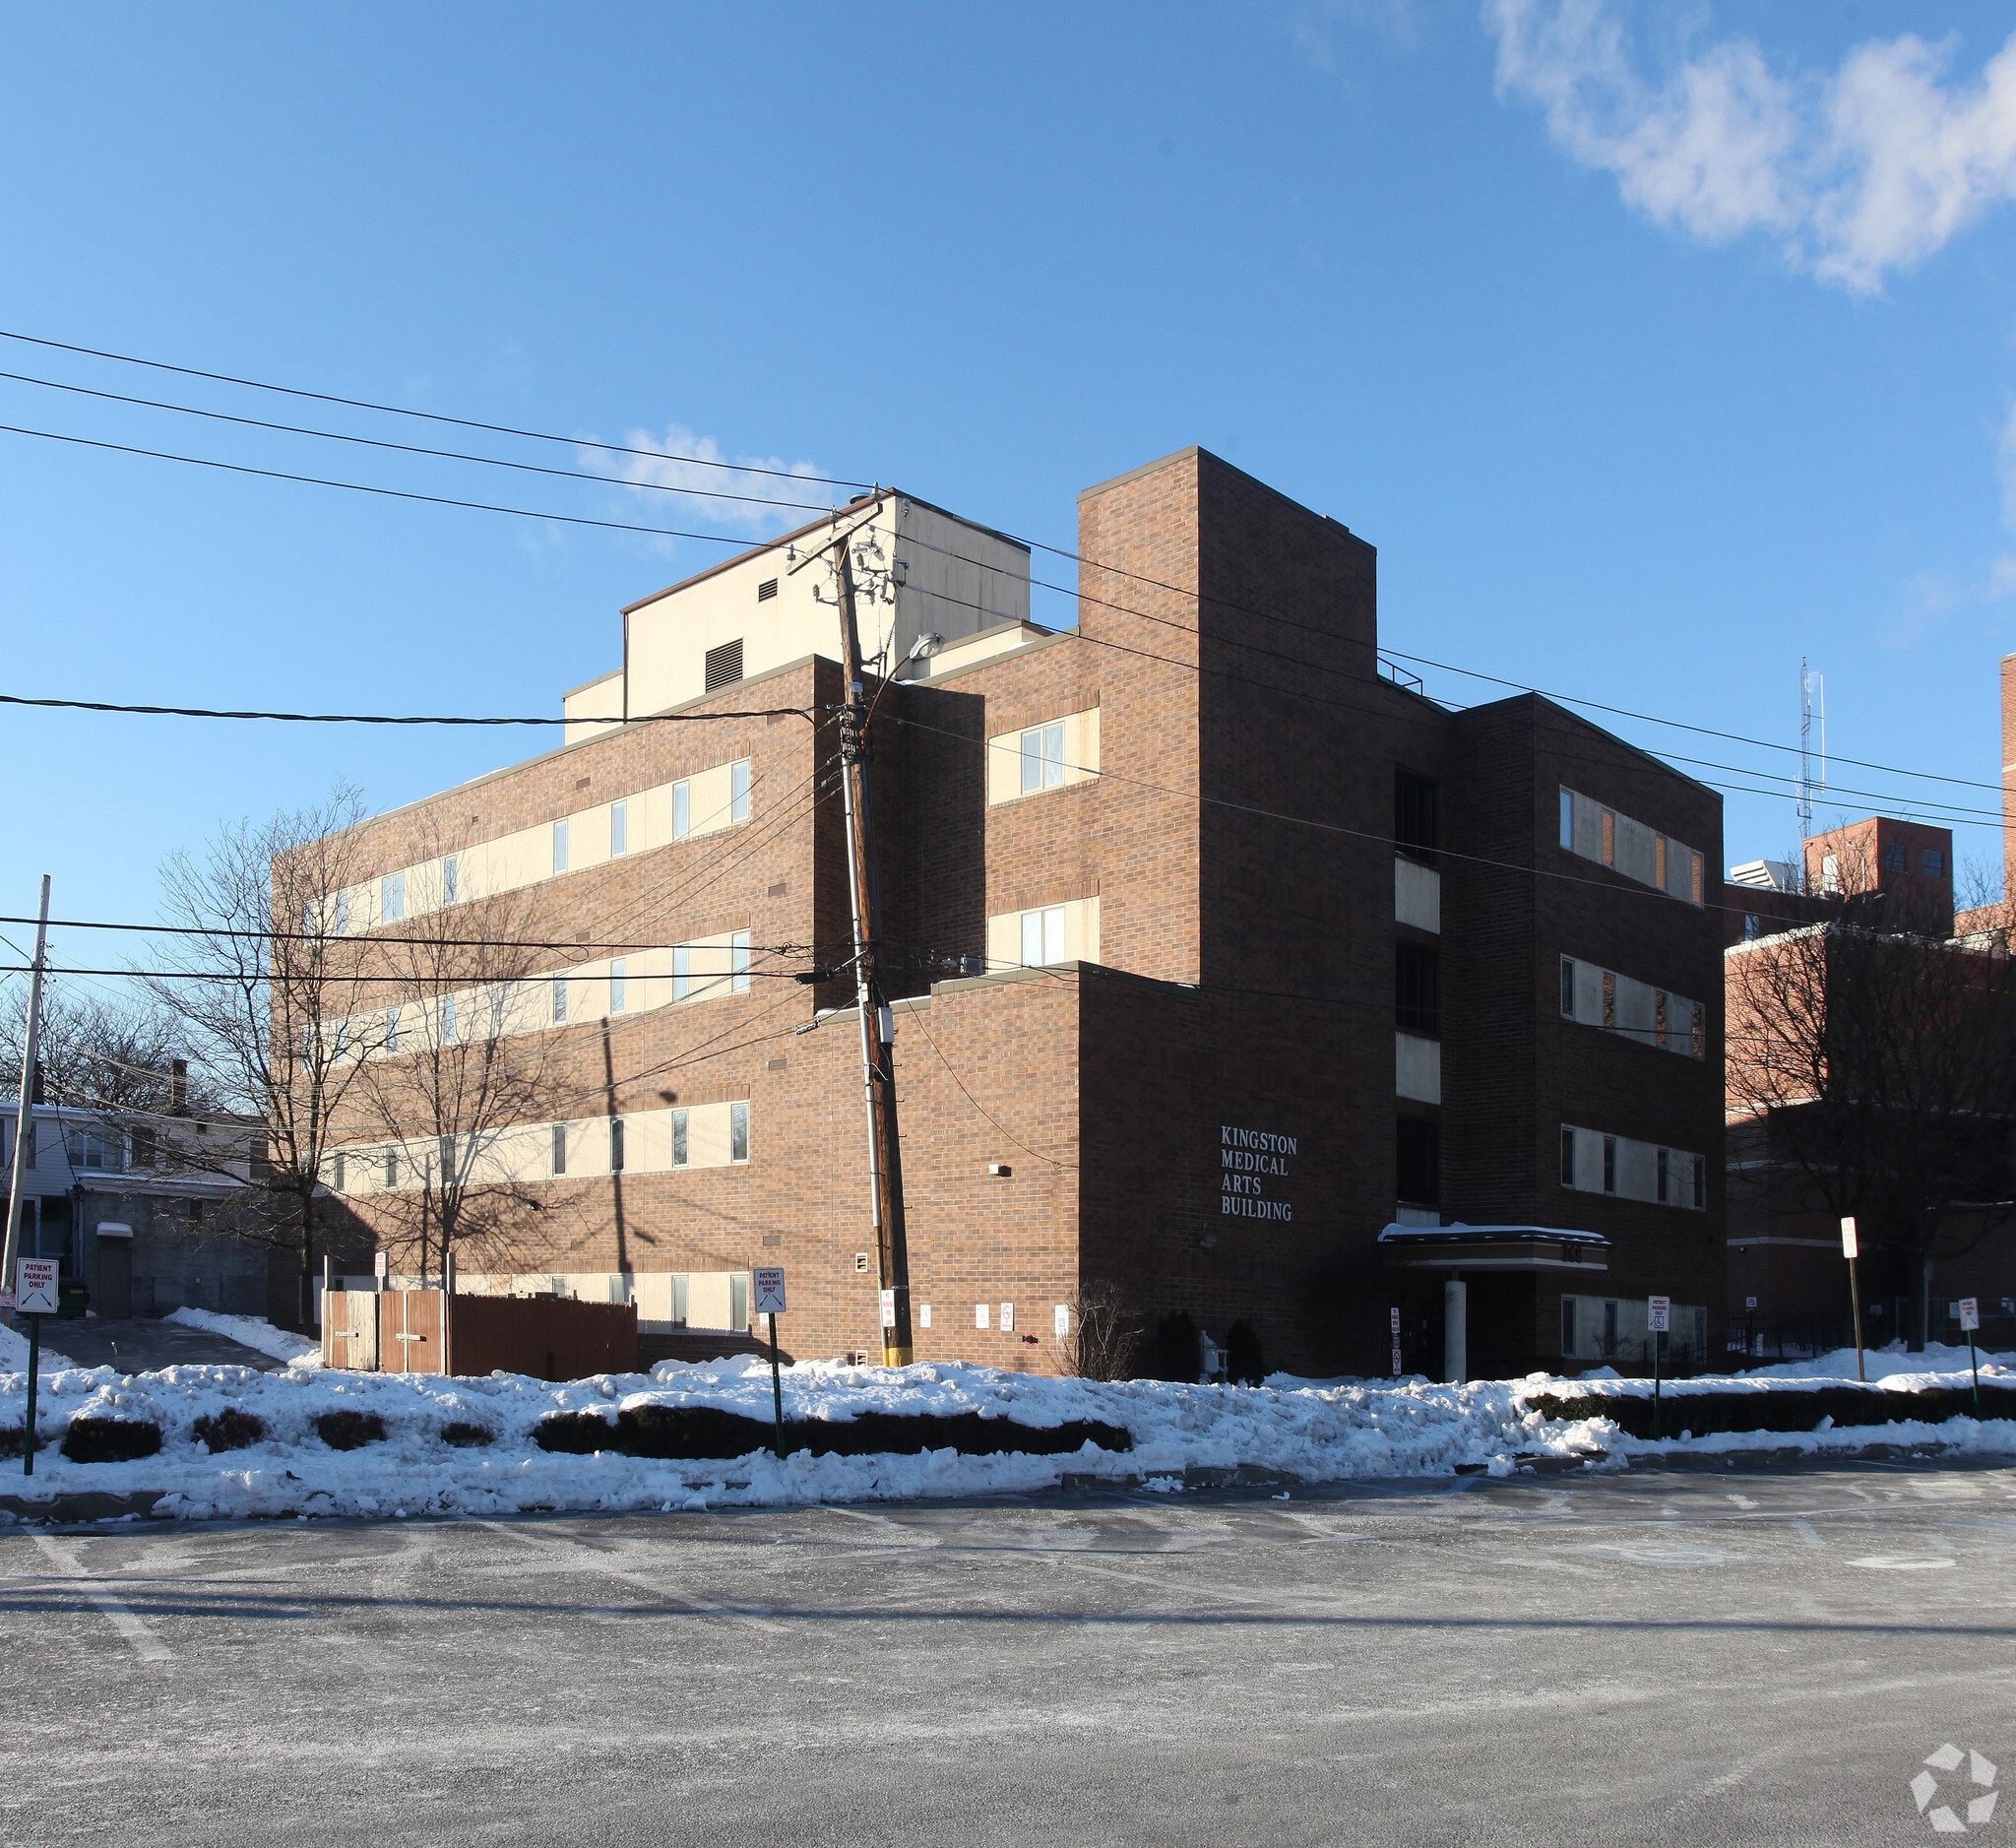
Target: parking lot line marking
x=1806, y=1531
x=146, y=1645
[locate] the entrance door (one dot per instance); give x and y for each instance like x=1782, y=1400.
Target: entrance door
x=115, y=1278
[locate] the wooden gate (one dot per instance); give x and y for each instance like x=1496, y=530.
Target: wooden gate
x=350, y=1329
x=409, y=1332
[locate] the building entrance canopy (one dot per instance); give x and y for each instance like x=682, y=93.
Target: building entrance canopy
x=1495, y=1247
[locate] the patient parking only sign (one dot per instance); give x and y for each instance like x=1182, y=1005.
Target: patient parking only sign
x=34, y=1292
x=769, y=1289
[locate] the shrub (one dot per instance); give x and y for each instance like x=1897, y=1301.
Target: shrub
x=110, y=1440
x=1244, y=1366
x=1846, y=1403
x=229, y=1430
x=693, y=1433
x=465, y=1437
x=10, y=1440
x=1173, y=1354
x=349, y=1430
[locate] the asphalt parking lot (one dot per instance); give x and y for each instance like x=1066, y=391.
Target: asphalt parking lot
x=1764, y=1656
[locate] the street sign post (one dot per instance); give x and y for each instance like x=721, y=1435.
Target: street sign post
x=35, y=1296
x=1659, y=1317
x=1970, y=1325
x=1851, y=1249
x=768, y=1282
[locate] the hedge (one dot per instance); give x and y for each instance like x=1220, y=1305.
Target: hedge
x=110, y=1440
x=692, y=1433
x=1706, y=1412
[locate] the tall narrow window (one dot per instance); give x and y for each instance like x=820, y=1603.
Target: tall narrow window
x=1609, y=1164
x=1700, y=1031
x=448, y=1020
x=738, y=964
x=1567, y=1156
x=1662, y=1158
x=1568, y=986
x=1609, y=838
x=560, y=997
x=559, y=847
x=682, y=973
x=1043, y=936
x=1659, y=1018
x=445, y=1146
x=335, y=1177
x=738, y=790
x=1700, y=1163
x=679, y=1155
x=1609, y=1000
x=1568, y=819
x=392, y=1167
x=559, y=1148
x=311, y=918
x=450, y=869
x=1417, y=1161
x=620, y=985
x=1567, y=1327
x=1417, y=816
x=1042, y=758
x=1935, y=864
x=739, y=1132
x=342, y=913
x=615, y=1145
x=682, y=810
x=391, y=897
x=619, y=829
x=1418, y=985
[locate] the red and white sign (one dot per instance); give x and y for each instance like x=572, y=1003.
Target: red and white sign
x=1850, y=1245
x=1658, y=1315
x=35, y=1290
x=381, y=1266
x=769, y=1289
x=1970, y=1315
x=888, y=1309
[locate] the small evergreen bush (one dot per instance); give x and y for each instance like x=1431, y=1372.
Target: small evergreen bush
x=233, y=1429
x=1244, y=1366
x=349, y=1430
x=466, y=1436
x=110, y=1440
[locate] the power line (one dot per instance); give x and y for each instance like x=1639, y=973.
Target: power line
x=419, y=449
x=431, y=416
x=369, y=718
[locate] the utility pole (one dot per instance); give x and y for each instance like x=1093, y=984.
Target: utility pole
x=878, y=1073
x=24, y=1117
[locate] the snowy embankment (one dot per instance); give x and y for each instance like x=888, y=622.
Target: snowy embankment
x=467, y=1446
x=254, y=1332
x=14, y=1356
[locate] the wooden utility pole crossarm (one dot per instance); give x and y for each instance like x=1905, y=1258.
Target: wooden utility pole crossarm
x=878, y=1073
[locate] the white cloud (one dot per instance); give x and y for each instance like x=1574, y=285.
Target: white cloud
x=1859, y=172
x=718, y=497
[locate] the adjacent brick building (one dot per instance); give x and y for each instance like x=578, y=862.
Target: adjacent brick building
x=1303, y=996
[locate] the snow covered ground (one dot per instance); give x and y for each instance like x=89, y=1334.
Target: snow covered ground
x=1311, y=1433
x=254, y=1332
x=14, y=1356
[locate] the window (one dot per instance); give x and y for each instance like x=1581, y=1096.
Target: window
x=560, y=997
x=342, y=913
x=1568, y=819
x=101, y=1150
x=391, y=897
x=1663, y=1160
x=1417, y=1161
x=1609, y=1164
x=448, y=1020
x=738, y=964
x=1609, y=1329
x=765, y=590
x=445, y=1148
x=1042, y=758
x=738, y=1300
x=146, y=1145
x=739, y=1132
x=615, y=1145
x=1700, y=1182
x=619, y=829
x=1568, y=1326
x=682, y=811
x=1610, y=998
x=680, y=1139
x=1419, y=987
x=559, y=847
x=724, y=664
x=682, y=973
x=1630, y=848
x=738, y=790
x=1568, y=986
x=1830, y=873
x=1753, y=927
x=1699, y=1036
x=1659, y=1017
x=336, y=1172
x=449, y=870
x=618, y=984
x=1567, y=1158
x=559, y=1148
x=311, y=918
x=392, y=1167
x=1416, y=821
x=1935, y=864
x=1897, y=858
x=1043, y=936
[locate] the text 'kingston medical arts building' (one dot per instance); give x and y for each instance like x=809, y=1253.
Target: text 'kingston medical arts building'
x=1303, y=996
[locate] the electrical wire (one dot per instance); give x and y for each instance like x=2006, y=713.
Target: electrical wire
x=364, y=717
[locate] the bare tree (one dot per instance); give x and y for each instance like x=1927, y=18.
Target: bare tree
x=100, y=1055
x=1104, y=1334
x=454, y=1080
x=267, y=958
x=1873, y=1072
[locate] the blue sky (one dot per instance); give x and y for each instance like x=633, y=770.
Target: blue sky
x=1654, y=347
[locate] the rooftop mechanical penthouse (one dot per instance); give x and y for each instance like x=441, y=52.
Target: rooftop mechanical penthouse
x=1306, y=999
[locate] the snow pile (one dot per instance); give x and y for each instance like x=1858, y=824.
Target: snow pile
x=14, y=1355
x=1886, y=1363
x=254, y=1332
x=1351, y=1430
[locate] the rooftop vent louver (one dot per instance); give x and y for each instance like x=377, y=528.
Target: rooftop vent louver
x=765, y=590
x=724, y=664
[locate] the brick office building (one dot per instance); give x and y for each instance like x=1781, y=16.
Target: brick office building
x=1304, y=996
